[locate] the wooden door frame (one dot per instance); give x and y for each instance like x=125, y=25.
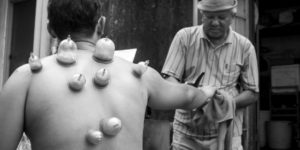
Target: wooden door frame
x=195, y=12
x=41, y=42
x=6, y=16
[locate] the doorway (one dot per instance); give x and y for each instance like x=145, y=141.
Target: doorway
x=22, y=33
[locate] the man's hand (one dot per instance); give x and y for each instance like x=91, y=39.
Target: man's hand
x=209, y=90
x=222, y=96
x=221, y=107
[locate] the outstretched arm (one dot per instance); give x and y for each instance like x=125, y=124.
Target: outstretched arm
x=12, y=102
x=164, y=94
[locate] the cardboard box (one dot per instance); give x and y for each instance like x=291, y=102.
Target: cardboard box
x=285, y=76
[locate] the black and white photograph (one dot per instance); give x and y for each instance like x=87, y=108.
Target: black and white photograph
x=149, y=75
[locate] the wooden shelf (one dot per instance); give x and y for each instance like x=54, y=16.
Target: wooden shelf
x=284, y=109
x=285, y=104
x=278, y=4
x=281, y=30
x=284, y=115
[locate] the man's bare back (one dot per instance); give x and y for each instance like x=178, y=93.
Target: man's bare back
x=56, y=117
x=54, y=111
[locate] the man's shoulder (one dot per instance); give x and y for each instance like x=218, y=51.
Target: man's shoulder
x=191, y=29
x=241, y=39
x=23, y=70
x=18, y=81
x=190, y=33
x=26, y=72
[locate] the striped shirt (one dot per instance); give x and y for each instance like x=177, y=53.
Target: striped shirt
x=227, y=66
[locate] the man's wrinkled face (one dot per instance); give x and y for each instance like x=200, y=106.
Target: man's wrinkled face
x=216, y=24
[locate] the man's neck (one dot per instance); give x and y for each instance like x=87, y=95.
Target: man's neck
x=219, y=41
x=85, y=43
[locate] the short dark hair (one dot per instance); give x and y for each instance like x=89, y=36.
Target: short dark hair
x=73, y=16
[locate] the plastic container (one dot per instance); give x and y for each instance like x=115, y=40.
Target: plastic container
x=264, y=117
x=279, y=134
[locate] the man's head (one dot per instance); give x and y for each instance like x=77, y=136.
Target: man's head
x=217, y=16
x=74, y=16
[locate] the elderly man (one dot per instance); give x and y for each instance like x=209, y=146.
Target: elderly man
x=229, y=62
x=84, y=97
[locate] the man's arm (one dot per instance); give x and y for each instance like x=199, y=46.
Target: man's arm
x=164, y=94
x=175, y=61
x=249, y=79
x=12, y=102
x=242, y=100
x=245, y=99
x=172, y=79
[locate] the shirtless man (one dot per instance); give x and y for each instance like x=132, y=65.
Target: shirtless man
x=62, y=102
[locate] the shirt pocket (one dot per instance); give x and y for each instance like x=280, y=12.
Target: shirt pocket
x=231, y=72
x=232, y=68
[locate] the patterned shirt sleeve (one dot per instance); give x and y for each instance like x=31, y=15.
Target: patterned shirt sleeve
x=249, y=76
x=175, y=61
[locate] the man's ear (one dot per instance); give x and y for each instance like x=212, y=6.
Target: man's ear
x=101, y=25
